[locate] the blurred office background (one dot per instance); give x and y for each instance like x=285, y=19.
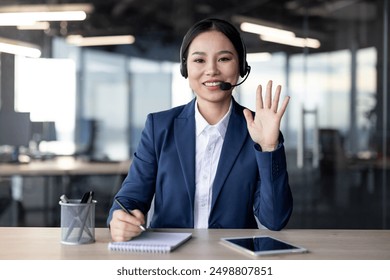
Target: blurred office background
x=64, y=97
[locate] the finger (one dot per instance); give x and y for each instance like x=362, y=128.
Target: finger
x=259, y=98
x=284, y=106
x=123, y=229
x=139, y=215
x=268, y=95
x=119, y=215
x=275, y=101
x=120, y=230
x=127, y=218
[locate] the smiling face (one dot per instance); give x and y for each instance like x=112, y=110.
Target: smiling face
x=212, y=59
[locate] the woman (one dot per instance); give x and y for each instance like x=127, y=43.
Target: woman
x=210, y=163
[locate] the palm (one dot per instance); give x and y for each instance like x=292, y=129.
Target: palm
x=264, y=127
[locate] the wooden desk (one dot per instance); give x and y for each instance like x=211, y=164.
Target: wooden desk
x=18, y=243
x=64, y=166
x=59, y=175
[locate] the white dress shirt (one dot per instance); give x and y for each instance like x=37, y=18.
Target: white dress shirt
x=209, y=141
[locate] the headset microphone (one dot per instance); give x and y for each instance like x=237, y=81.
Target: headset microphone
x=227, y=86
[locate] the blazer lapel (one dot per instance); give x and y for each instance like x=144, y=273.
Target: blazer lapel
x=185, y=143
x=235, y=137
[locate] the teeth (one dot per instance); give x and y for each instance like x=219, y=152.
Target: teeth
x=213, y=84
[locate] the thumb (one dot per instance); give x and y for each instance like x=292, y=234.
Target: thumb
x=248, y=116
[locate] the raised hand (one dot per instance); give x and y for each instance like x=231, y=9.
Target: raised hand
x=264, y=127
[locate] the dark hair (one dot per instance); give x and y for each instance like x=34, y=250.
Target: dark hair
x=214, y=24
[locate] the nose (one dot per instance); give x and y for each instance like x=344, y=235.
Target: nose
x=212, y=68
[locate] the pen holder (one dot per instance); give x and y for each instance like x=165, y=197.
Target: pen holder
x=77, y=222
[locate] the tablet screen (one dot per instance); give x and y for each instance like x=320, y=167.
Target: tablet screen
x=263, y=245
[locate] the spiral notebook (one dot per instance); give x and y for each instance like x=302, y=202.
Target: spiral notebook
x=152, y=242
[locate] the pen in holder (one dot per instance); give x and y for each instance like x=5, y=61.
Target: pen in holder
x=77, y=221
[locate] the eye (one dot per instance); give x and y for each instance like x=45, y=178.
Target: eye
x=224, y=59
x=199, y=60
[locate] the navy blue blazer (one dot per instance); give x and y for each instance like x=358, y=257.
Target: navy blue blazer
x=248, y=182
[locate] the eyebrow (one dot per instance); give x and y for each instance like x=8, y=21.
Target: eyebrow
x=220, y=52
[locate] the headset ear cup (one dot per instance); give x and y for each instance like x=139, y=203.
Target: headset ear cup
x=183, y=69
x=245, y=68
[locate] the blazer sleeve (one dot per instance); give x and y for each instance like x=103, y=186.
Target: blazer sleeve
x=138, y=188
x=273, y=199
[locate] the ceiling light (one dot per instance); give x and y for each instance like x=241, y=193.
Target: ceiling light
x=19, y=48
x=11, y=19
x=41, y=25
x=295, y=41
x=276, y=33
x=265, y=30
x=29, y=14
x=88, y=8
x=100, y=40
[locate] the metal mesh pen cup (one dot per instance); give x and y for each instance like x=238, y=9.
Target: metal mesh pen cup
x=77, y=222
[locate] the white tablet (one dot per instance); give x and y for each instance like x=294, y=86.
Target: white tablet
x=262, y=245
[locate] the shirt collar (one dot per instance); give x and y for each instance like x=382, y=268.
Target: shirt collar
x=202, y=124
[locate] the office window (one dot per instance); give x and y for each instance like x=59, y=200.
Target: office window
x=151, y=87
x=181, y=91
x=104, y=99
x=366, y=97
x=46, y=88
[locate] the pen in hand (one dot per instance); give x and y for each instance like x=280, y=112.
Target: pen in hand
x=128, y=212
